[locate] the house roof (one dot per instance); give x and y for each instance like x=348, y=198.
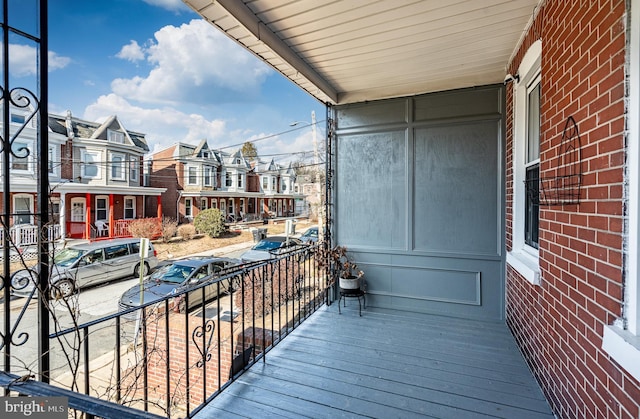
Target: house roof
x=94, y=130
x=359, y=50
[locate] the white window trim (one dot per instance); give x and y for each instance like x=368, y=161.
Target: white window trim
x=523, y=258
x=29, y=197
x=106, y=208
x=195, y=169
x=18, y=147
x=206, y=176
x=96, y=161
x=622, y=339
x=113, y=164
x=134, y=169
x=189, y=207
x=124, y=209
x=117, y=137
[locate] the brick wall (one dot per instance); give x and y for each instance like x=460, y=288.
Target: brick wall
x=559, y=324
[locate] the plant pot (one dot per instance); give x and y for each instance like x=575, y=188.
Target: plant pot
x=352, y=283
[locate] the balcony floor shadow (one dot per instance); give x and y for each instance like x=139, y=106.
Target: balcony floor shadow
x=386, y=364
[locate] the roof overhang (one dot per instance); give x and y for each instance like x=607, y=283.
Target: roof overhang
x=360, y=50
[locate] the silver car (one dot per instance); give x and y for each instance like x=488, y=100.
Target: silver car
x=81, y=265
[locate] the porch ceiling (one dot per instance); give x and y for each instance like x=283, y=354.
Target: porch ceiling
x=358, y=50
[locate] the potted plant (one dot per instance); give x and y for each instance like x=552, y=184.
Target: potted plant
x=341, y=265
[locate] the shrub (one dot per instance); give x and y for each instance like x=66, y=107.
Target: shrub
x=145, y=227
x=210, y=222
x=169, y=228
x=186, y=231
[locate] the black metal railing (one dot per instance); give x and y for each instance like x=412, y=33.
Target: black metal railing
x=170, y=357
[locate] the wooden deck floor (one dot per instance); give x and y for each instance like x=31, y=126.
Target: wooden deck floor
x=386, y=364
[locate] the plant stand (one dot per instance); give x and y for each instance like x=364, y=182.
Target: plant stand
x=352, y=293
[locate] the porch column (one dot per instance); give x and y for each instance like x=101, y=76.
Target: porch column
x=87, y=217
x=63, y=215
x=111, y=218
x=160, y=206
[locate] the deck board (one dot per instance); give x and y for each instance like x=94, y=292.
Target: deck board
x=386, y=364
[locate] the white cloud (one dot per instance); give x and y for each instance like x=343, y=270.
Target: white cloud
x=23, y=59
x=131, y=52
x=194, y=63
x=161, y=126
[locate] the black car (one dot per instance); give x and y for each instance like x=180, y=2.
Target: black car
x=182, y=275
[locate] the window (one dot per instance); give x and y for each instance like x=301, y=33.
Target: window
x=284, y=185
x=228, y=181
x=214, y=204
x=241, y=205
x=18, y=119
x=192, y=175
x=134, y=169
x=77, y=210
x=54, y=210
x=22, y=208
x=205, y=155
x=239, y=180
x=90, y=168
x=115, y=136
x=207, y=176
x=230, y=206
x=203, y=203
x=20, y=156
x=265, y=182
x=102, y=208
x=50, y=160
x=223, y=207
x=532, y=165
x=622, y=339
x=523, y=256
x=188, y=207
x=273, y=184
x=129, y=208
x=117, y=166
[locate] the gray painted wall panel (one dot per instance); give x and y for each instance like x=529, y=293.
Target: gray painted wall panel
x=456, y=187
x=419, y=203
x=371, y=190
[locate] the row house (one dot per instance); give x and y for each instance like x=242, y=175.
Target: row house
x=94, y=173
x=197, y=177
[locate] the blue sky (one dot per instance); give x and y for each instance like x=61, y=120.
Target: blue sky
x=167, y=73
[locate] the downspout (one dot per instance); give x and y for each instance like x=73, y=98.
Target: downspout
x=178, y=206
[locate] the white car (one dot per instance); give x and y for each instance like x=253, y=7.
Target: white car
x=82, y=265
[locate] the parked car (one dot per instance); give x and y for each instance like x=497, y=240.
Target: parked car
x=310, y=236
x=182, y=275
x=270, y=247
x=81, y=265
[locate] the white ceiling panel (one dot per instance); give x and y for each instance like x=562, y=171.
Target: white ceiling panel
x=345, y=51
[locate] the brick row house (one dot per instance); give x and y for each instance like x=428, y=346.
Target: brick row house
x=197, y=177
x=95, y=178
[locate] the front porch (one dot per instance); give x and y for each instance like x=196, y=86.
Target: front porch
x=387, y=363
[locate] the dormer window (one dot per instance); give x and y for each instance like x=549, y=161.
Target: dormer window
x=115, y=136
x=237, y=161
x=205, y=155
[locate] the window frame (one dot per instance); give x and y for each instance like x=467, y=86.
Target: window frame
x=26, y=161
x=95, y=155
x=99, y=211
x=77, y=216
x=29, y=212
x=116, y=137
x=192, y=175
x=523, y=257
x=188, y=207
x=206, y=175
x=134, y=169
x=118, y=168
x=131, y=208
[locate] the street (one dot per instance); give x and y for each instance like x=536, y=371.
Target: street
x=88, y=305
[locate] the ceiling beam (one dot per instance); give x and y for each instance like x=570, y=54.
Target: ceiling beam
x=248, y=19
